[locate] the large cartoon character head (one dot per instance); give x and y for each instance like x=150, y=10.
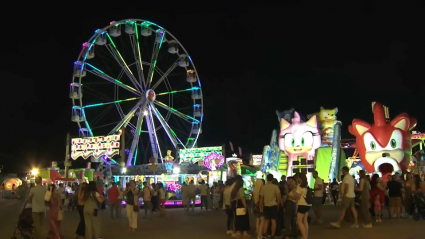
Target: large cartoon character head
x=384, y=146
x=299, y=139
x=327, y=114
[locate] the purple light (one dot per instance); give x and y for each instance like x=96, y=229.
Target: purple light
x=171, y=203
x=213, y=161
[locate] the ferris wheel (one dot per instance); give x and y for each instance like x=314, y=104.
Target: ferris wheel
x=137, y=77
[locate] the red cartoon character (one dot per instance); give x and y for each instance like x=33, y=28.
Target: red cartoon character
x=384, y=147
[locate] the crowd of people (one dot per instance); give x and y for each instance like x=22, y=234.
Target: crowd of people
x=281, y=209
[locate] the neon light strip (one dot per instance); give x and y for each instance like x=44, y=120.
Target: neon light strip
x=87, y=123
x=135, y=157
x=119, y=54
x=116, y=81
x=108, y=103
x=177, y=91
x=154, y=63
x=169, y=128
x=175, y=111
x=170, y=203
x=88, y=50
x=140, y=57
x=154, y=131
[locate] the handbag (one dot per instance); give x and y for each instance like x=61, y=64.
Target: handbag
x=60, y=215
x=240, y=211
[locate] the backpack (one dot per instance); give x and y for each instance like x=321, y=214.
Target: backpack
x=309, y=198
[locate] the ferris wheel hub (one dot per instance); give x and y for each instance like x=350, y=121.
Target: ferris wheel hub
x=150, y=95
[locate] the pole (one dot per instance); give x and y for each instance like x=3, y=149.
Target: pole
x=67, y=163
x=122, y=150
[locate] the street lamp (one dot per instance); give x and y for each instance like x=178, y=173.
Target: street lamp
x=34, y=172
x=176, y=170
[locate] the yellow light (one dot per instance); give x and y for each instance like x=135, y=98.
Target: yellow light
x=34, y=171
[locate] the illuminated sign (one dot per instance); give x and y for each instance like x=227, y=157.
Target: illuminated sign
x=256, y=160
x=194, y=155
x=95, y=146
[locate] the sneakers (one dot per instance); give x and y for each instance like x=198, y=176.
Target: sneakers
x=368, y=225
x=335, y=224
x=355, y=226
x=379, y=220
x=229, y=232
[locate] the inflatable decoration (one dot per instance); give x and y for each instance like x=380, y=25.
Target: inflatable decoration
x=299, y=139
x=326, y=120
x=288, y=115
x=384, y=147
x=213, y=161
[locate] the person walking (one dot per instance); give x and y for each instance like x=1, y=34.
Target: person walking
x=114, y=203
x=132, y=205
x=270, y=199
x=318, y=197
x=364, y=189
x=204, y=195
x=227, y=195
x=395, y=192
x=147, y=204
x=290, y=205
x=54, y=201
x=191, y=193
x=240, y=208
x=81, y=228
x=348, y=195
x=92, y=199
x=256, y=207
x=301, y=194
x=36, y=198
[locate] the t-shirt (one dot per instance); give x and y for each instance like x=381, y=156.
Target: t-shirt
x=161, y=193
x=146, y=194
x=303, y=193
x=350, y=182
x=227, y=195
x=61, y=191
x=113, y=194
x=394, y=189
x=204, y=189
x=191, y=190
x=37, y=200
x=318, y=192
x=269, y=192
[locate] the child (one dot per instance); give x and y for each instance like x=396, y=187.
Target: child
x=377, y=208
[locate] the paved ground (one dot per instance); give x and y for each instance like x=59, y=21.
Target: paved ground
x=209, y=225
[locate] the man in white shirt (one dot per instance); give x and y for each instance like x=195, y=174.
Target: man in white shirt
x=347, y=194
x=318, y=197
x=270, y=200
x=36, y=197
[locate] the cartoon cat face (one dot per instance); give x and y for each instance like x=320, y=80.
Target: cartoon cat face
x=327, y=115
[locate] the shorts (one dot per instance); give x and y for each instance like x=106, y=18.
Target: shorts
x=348, y=202
x=161, y=201
x=147, y=204
x=302, y=209
x=395, y=201
x=317, y=202
x=270, y=213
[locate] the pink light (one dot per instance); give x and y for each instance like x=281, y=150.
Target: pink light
x=170, y=203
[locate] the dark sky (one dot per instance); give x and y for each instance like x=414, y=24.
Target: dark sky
x=252, y=60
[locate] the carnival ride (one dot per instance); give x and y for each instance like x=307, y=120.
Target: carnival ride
x=140, y=84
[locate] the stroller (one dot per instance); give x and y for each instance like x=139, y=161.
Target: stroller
x=419, y=200
x=25, y=225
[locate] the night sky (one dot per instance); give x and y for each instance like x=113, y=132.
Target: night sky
x=252, y=60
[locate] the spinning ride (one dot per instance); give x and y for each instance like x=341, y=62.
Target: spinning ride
x=137, y=77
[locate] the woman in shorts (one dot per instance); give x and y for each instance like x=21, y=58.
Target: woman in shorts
x=303, y=207
x=256, y=207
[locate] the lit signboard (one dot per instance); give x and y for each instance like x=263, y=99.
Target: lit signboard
x=195, y=155
x=256, y=160
x=95, y=146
